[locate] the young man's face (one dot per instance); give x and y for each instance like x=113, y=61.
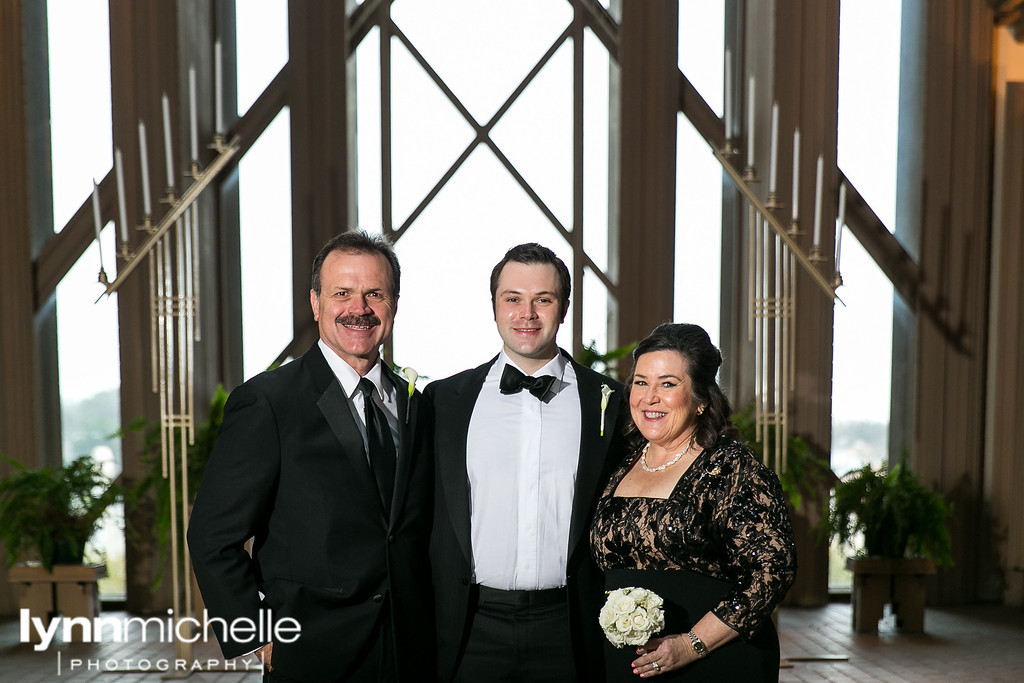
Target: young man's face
x=528, y=311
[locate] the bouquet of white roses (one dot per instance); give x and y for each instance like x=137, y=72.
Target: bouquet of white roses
x=631, y=615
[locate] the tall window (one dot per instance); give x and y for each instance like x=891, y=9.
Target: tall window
x=90, y=383
x=80, y=128
x=475, y=151
x=698, y=270
x=862, y=347
x=87, y=331
x=265, y=233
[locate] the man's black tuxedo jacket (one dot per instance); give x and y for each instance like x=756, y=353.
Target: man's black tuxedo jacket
x=290, y=469
x=453, y=400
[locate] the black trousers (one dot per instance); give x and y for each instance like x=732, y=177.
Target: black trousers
x=518, y=636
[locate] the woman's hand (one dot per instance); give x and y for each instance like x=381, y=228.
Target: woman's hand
x=663, y=654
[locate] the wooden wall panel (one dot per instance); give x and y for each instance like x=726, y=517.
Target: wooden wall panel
x=944, y=182
x=1005, y=429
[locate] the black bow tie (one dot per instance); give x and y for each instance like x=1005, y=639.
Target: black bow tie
x=513, y=381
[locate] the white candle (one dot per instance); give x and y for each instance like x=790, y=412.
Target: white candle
x=817, y=201
x=218, y=86
x=96, y=217
x=144, y=162
x=122, y=213
x=773, y=162
x=728, y=94
x=841, y=220
x=193, y=124
x=168, y=149
x=750, y=122
x=796, y=173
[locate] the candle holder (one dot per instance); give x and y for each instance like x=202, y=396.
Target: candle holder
x=773, y=201
x=837, y=280
x=817, y=254
x=794, y=227
x=729, y=149
x=219, y=143
x=124, y=252
x=102, y=277
x=750, y=175
x=193, y=171
x=170, y=196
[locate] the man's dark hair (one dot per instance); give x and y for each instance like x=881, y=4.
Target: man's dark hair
x=359, y=242
x=529, y=254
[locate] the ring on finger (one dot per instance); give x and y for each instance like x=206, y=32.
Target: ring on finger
x=656, y=666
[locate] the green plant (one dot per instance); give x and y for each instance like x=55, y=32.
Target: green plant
x=805, y=474
x=53, y=512
x=606, y=362
x=897, y=514
x=154, y=483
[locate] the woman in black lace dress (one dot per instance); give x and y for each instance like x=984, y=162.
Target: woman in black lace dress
x=694, y=516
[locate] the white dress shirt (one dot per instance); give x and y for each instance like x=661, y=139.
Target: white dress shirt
x=384, y=396
x=521, y=458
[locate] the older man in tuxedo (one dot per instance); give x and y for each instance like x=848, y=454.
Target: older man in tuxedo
x=523, y=446
x=324, y=463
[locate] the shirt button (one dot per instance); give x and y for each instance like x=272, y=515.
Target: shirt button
x=378, y=598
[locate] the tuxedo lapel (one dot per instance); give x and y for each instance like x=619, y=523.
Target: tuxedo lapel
x=453, y=430
x=593, y=448
x=334, y=406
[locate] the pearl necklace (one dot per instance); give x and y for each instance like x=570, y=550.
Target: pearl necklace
x=673, y=461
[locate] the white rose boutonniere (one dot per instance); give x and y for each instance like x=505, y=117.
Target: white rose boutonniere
x=630, y=616
x=412, y=376
x=606, y=391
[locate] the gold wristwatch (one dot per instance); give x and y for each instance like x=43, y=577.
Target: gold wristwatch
x=698, y=645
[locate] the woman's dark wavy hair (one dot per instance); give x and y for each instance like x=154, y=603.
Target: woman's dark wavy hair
x=702, y=362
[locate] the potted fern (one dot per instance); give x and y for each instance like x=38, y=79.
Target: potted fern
x=49, y=514
x=903, y=526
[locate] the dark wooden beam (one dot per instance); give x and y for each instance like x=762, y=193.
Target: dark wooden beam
x=650, y=81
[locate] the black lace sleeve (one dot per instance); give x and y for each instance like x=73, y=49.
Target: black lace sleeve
x=757, y=538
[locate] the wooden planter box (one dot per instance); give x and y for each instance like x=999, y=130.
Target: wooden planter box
x=899, y=583
x=70, y=590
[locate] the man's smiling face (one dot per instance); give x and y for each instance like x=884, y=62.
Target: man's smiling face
x=356, y=307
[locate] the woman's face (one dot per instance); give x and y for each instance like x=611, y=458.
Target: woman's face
x=661, y=399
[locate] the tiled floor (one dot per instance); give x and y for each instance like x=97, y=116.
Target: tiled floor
x=978, y=643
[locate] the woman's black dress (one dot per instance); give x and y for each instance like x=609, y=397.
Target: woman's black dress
x=722, y=542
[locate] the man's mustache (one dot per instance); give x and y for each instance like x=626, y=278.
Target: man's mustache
x=368, y=320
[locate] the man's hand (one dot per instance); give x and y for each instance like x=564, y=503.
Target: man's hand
x=264, y=653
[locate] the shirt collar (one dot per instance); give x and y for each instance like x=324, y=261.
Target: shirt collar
x=349, y=378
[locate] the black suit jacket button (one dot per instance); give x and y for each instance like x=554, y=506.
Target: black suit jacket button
x=391, y=538
x=378, y=598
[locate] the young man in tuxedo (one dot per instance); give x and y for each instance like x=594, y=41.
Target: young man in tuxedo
x=323, y=461
x=523, y=447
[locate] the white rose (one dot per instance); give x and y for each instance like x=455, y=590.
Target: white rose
x=624, y=623
x=615, y=638
x=624, y=604
x=640, y=621
x=607, y=617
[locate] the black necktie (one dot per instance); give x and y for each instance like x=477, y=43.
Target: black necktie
x=381, y=445
x=513, y=381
